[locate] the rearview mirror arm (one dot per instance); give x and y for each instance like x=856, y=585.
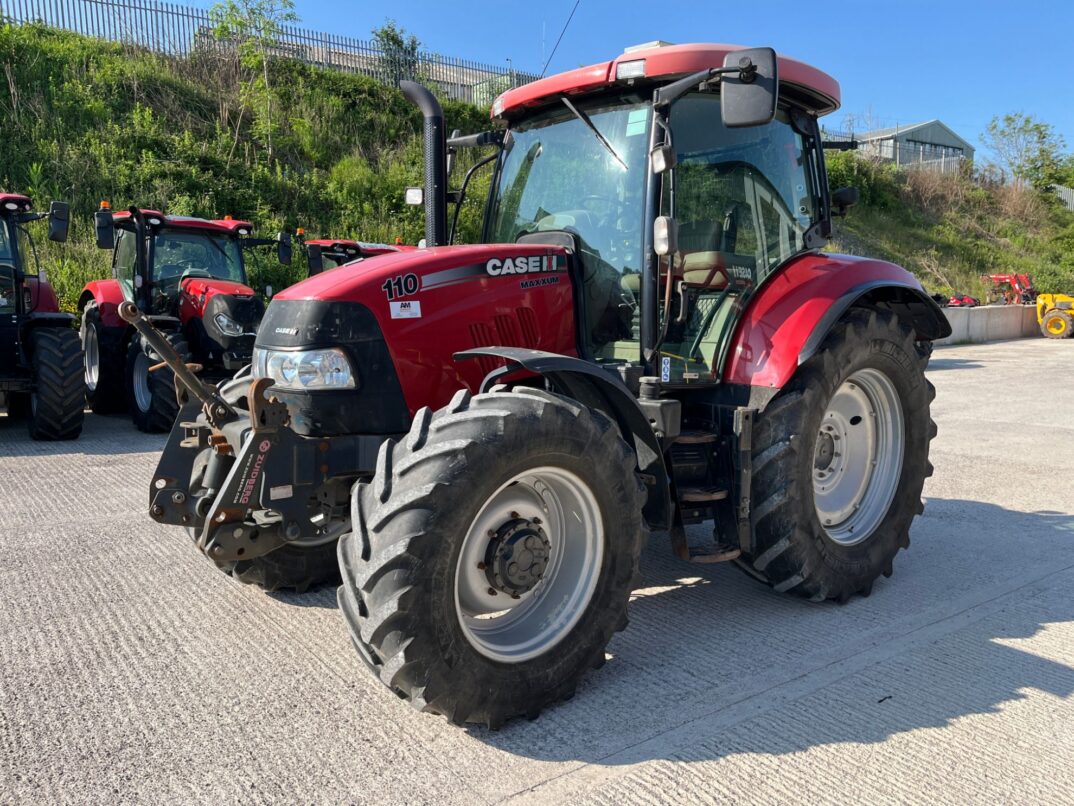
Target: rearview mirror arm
x=460, y=194
x=669, y=93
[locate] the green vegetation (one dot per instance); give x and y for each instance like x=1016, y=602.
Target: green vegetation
x=949, y=229
x=286, y=145
x=86, y=120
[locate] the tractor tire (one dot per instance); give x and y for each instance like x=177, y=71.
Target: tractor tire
x=153, y=404
x=105, y=392
x=1057, y=324
x=493, y=554
x=833, y=505
x=58, y=399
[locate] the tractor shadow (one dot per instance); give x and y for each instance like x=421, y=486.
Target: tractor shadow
x=938, y=363
x=109, y=435
x=714, y=664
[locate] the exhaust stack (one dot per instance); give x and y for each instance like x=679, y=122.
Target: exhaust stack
x=435, y=148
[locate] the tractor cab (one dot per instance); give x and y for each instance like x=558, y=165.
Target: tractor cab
x=685, y=194
x=327, y=253
x=189, y=276
x=37, y=344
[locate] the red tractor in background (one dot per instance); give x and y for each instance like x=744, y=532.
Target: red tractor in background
x=330, y=253
x=189, y=276
x=1010, y=289
x=650, y=336
x=40, y=356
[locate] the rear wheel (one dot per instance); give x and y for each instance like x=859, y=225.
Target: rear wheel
x=151, y=395
x=839, y=460
x=103, y=368
x=1057, y=324
x=59, y=393
x=493, y=554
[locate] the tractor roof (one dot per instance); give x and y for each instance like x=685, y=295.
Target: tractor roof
x=807, y=85
x=226, y=226
x=22, y=203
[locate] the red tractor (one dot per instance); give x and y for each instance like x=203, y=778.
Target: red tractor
x=650, y=336
x=189, y=276
x=40, y=357
x=1010, y=289
x=330, y=253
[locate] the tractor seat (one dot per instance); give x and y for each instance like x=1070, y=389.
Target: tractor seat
x=704, y=270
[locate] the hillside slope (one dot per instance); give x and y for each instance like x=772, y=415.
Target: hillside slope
x=949, y=229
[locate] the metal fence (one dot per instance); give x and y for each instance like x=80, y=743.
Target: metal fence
x=1066, y=195
x=176, y=30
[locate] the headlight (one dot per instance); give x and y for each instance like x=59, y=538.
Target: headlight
x=227, y=325
x=305, y=369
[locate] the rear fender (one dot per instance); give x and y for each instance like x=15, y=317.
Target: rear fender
x=42, y=295
x=788, y=319
x=597, y=389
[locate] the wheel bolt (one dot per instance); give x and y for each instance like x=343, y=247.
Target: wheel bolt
x=492, y=591
x=157, y=510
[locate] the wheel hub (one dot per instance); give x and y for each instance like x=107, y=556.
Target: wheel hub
x=517, y=556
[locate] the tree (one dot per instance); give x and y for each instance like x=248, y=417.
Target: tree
x=399, y=51
x=1027, y=148
x=254, y=26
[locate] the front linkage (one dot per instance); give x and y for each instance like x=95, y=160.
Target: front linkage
x=216, y=474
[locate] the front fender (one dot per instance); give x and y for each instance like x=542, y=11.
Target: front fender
x=107, y=294
x=789, y=317
x=593, y=387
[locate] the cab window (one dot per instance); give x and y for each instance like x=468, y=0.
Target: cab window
x=123, y=260
x=744, y=200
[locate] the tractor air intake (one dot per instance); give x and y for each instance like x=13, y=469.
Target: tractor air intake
x=435, y=156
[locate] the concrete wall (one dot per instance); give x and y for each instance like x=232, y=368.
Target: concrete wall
x=990, y=323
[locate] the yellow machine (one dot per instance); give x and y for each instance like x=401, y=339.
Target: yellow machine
x=1055, y=314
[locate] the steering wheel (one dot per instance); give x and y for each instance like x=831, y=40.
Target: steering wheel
x=194, y=273
x=610, y=206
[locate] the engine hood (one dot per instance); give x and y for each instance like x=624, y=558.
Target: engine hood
x=197, y=286
x=433, y=268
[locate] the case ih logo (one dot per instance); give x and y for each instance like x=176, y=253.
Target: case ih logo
x=534, y=264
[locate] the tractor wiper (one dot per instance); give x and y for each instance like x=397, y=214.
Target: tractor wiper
x=582, y=116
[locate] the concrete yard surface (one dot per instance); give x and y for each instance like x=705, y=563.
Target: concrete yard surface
x=131, y=670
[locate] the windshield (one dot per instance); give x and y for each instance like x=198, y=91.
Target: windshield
x=557, y=174
x=194, y=254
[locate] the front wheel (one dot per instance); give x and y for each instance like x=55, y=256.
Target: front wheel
x=493, y=554
x=1057, y=324
x=839, y=460
x=151, y=395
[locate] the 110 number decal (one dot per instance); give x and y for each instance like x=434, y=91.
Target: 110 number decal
x=403, y=285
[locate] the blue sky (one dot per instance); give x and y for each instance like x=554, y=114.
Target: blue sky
x=897, y=62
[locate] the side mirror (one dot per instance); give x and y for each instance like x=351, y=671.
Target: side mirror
x=106, y=232
x=843, y=199
x=415, y=196
x=665, y=235
x=748, y=97
x=283, y=248
x=662, y=159
x=314, y=258
x=59, y=217
x=268, y=292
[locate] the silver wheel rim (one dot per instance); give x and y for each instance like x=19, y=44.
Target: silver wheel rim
x=562, y=508
x=92, y=360
x=857, y=458
x=142, y=396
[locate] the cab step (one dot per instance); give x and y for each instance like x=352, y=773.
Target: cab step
x=697, y=438
x=701, y=495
